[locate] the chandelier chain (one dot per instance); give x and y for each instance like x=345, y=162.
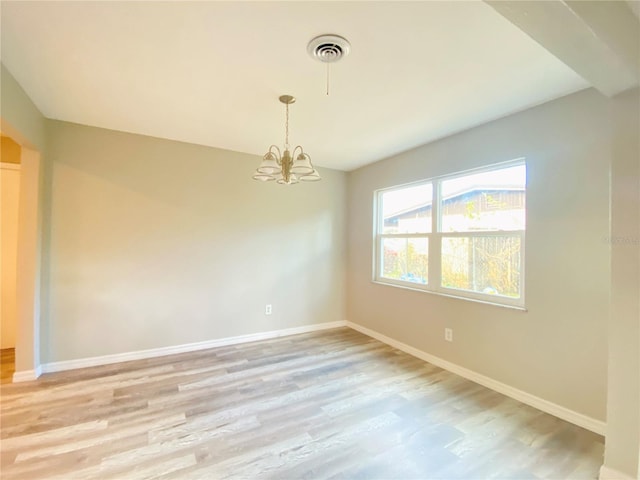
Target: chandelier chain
x=327, y=79
x=286, y=135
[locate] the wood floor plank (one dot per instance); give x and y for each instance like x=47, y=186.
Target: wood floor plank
x=7, y=364
x=332, y=404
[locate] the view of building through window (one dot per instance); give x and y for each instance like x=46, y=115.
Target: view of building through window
x=477, y=227
x=407, y=211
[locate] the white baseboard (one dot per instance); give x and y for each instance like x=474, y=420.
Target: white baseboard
x=576, y=418
x=27, y=375
x=554, y=409
x=189, y=347
x=607, y=473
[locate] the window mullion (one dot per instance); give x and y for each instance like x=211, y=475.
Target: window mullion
x=522, y=264
x=435, y=240
x=377, y=229
x=404, y=235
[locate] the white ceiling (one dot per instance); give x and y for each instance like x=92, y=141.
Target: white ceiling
x=211, y=72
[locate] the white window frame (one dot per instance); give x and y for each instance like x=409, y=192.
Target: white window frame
x=434, y=238
x=378, y=253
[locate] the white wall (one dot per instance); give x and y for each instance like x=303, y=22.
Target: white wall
x=10, y=192
x=557, y=349
x=155, y=243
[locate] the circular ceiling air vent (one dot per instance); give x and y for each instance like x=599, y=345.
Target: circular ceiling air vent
x=328, y=48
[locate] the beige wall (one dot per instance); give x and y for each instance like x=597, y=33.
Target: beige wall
x=9, y=193
x=157, y=243
x=21, y=119
x=623, y=407
x=557, y=350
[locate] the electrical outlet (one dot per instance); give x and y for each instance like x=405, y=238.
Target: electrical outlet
x=267, y=309
x=448, y=334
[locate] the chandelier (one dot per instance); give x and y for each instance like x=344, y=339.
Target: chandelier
x=286, y=167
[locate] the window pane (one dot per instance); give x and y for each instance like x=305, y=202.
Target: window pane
x=484, y=201
x=489, y=264
x=405, y=259
x=407, y=210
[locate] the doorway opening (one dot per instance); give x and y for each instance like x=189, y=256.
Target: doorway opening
x=9, y=203
x=20, y=243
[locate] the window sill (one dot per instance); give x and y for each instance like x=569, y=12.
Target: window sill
x=458, y=297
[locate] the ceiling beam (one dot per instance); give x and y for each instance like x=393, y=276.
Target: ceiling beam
x=600, y=41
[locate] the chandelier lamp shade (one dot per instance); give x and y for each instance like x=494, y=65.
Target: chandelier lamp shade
x=288, y=166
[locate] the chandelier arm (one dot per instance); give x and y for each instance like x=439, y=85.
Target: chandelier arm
x=298, y=147
x=277, y=153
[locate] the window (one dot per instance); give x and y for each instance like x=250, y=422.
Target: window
x=461, y=235
x=406, y=223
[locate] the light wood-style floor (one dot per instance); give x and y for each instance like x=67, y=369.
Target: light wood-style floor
x=333, y=404
x=7, y=364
